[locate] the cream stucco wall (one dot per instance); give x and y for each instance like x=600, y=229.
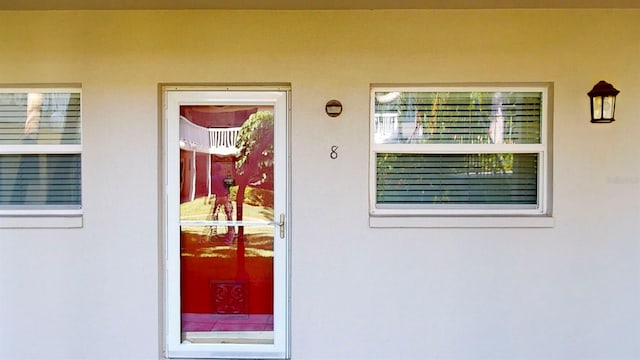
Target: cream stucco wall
x=567, y=292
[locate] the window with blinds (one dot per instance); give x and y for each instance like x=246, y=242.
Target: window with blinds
x=40, y=151
x=459, y=150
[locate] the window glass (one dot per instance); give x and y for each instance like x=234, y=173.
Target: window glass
x=456, y=179
x=459, y=150
x=447, y=117
x=34, y=181
x=39, y=118
x=40, y=150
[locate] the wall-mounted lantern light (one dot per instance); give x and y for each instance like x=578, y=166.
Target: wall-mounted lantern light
x=603, y=102
x=333, y=108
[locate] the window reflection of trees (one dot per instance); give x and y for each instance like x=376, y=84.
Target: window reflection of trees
x=464, y=118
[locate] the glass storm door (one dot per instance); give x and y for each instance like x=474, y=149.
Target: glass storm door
x=226, y=223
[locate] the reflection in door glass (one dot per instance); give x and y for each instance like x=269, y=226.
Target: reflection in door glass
x=226, y=224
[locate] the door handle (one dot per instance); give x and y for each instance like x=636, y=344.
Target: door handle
x=281, y=226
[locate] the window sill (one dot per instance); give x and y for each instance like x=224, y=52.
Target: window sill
x=41, y=221
x=461, y=222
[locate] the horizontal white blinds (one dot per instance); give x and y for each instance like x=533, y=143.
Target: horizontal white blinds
x=36, y=180
x=456, y=179
x=40, y=118
x=458, y=117
x=40, y=149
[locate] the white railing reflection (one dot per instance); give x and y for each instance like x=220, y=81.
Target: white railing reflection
x=385, y=126
x=221, y=141
x=223, y=137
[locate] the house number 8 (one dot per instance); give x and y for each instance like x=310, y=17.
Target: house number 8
x=334, y=152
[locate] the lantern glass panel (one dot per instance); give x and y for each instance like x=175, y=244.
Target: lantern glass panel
x=608, y=106
x=597, y=107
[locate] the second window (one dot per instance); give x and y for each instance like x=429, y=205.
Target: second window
x=458, y=150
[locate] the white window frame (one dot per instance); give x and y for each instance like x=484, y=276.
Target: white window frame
x=45, y=216
x=466, y=216
x=173, y=98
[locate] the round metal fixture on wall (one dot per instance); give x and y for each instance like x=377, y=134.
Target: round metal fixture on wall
x=333, y=108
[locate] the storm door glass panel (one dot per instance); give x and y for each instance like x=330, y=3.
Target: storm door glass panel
x=226, y=235
x=230, y=189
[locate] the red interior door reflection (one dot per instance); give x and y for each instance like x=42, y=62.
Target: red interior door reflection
x=226, y=195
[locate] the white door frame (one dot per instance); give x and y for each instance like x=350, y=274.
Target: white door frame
x=173, y=97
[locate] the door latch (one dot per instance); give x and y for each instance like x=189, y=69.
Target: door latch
x=281, y=226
